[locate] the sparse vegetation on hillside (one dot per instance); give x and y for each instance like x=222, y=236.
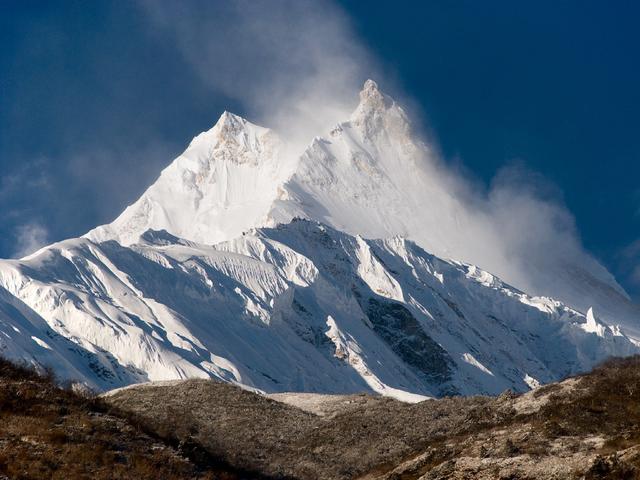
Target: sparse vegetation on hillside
x=586, y=427
x=47, y=432
x=256, y=433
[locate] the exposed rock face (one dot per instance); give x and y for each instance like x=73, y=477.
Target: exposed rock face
x=403, y=333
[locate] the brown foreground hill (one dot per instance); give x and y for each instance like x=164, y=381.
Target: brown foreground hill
x=584, y=427
x=47, y=432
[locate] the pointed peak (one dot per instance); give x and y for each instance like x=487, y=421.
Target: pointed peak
x=233, y=139
x=230, y=119
x=370, y=86
x=377, y=111
x=232, y=127
x=372, y=101
x=372, y=96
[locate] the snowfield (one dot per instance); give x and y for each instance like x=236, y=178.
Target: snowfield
x=299, y=307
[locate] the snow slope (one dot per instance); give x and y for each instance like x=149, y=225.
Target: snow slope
x=371, y=176
x=27, y=337
x=300, y=307
x=220, y=186
x=213, y=273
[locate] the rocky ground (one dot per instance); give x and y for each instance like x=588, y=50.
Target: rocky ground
x=584, y=427
x=47, y=432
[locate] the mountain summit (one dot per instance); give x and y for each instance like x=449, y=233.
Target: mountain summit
x=371, y=175
x=220, y=186
x=236, y=176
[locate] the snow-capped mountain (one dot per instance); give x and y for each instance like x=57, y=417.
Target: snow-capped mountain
x=300, y=307
x=371, y=176
x=223, y=184
x=248, y=264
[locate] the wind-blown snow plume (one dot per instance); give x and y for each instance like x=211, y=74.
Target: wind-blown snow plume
x=629, y=267
x=537, y=229
x=29, y=238
x=294, y=65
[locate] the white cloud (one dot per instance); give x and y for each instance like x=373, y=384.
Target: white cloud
x=28, y=175
x=629, y=267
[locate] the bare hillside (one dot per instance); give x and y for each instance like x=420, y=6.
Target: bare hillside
x=584, y=427
x=51, y=433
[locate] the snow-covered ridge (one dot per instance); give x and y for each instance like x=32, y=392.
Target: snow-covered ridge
x=221, y=185
x=300, y=307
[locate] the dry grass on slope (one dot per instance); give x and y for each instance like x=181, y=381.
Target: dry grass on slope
x=258, y=433
x=586, y=427
x=51, y=433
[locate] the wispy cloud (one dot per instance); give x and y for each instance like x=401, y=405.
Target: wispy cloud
x=47, y=199
x=629, y=267
x=28, y=175
x=293, y=64
x=29, y=238
x=18, y=188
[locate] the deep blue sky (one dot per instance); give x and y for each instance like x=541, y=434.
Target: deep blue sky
x=86, y=91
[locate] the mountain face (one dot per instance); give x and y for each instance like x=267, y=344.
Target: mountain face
x=220, y=186
x=370, y=176
x=250, y=265
x=299, y=307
